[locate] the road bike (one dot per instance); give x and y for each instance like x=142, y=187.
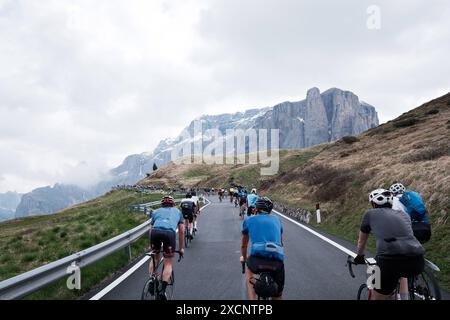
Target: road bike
x=187, y=235
x=153, y=285
x=421, y=287
x=242, y=210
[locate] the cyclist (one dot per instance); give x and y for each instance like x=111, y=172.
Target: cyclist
x=266, y=254
x=236, y=197
x=220, y=192
x=397, y=190
x=251, y=200
x=399, y=254
x=196, y=209
x=165, y=221
x=188, y=207
x=242, y=200
x=231, y=193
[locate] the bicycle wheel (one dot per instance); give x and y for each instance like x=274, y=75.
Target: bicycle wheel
x=186, y=237
x=363, y=292
x=424, y=287
x=170, y=285
x=150, y=287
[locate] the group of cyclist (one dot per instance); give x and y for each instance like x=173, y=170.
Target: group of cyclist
x=399, y=230
x=399, y=253
x=165, y=222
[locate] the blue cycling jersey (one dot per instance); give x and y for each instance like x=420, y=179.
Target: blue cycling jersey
x=265, y=232
x=251, y=200
x=167, y=218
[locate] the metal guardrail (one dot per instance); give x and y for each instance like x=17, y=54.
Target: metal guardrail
x=31, y=281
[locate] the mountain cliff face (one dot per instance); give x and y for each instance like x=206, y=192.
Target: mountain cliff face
x=320, y=118
x=317, y=119
x=8, y=204
x=48, y=200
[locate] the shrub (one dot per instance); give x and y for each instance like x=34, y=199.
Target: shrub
x=350, y=139
x=432, y=111
x=427, y=154
x=405, y=123
x=29, y=257
x=63, y=234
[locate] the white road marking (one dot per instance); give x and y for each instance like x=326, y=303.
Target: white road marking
x=120, y=279
x=337, y=245
x=114, y=284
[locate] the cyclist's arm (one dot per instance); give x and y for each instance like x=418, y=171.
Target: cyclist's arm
x=181, y=234
x=362, y=242
x=244, y=245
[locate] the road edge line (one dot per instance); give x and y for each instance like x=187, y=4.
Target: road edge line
x=317, y=234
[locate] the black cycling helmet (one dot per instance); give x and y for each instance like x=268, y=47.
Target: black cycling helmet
x=264, y=205
x=188, y=195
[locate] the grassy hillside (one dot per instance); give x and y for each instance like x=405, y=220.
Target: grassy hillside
x=28, y=243
x=413, y=149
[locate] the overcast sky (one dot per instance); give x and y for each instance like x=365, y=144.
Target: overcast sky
x=85, y=83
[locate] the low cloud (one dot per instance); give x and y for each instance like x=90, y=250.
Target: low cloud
x=85, y=83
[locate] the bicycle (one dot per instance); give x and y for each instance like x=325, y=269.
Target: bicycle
x=187, y=235
x=153, y=286
x=266, y=278
x=419, y=287
x=242, y=210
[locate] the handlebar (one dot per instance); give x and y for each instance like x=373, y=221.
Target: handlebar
x=350, y=264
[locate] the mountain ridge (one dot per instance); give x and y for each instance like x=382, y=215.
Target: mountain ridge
x=317, y=119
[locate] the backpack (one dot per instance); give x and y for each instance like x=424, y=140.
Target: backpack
x=414, y=206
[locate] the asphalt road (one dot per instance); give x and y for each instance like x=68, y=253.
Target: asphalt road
x=211, y=269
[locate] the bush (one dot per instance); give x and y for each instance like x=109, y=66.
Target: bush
x=427, y=154
x=405, y=123
x=63, y=234
x=350, y=139
x=29, y=257
x=432, y=111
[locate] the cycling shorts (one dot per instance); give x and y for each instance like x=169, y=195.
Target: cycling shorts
x=258, y=264
x=165, y=237
x=392, y=268
x=189, y=215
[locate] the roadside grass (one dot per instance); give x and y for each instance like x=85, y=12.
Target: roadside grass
x=31, y=242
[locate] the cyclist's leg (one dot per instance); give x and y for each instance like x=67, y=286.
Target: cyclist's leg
x=169, y=251
x=155, y=245
x=250, y=289
x=404, y=294
x=389, y=278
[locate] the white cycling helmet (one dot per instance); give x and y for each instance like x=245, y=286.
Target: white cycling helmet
x=381, y=197
x=254, y=190
x=397, y=188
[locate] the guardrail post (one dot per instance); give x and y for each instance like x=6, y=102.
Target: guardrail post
x=128, y=251
x=318, y=212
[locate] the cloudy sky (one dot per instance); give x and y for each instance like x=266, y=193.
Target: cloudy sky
x=85, y=83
